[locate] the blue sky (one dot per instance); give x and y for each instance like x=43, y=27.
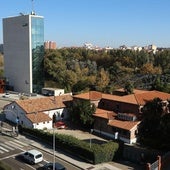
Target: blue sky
x=100, y=22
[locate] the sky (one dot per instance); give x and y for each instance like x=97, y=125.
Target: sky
x=101, y=22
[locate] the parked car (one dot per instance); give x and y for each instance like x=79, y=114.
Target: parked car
x=33, y=156
x=49, y=166
x=60, y=125
x=7, y=95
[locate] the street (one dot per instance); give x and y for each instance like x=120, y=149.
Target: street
x=11, y=150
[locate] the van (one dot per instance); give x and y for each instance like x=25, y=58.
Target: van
x=33, y=156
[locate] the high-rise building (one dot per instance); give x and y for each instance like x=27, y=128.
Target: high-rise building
x=48, y=45
x=23, y=38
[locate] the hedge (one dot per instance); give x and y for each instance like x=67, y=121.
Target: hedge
x=98, y=153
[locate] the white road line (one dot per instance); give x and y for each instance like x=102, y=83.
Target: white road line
x=6, y=150
x=14, y=144
x=6, y=146
x=1, y=151
x=24, y=144
x=8, y=157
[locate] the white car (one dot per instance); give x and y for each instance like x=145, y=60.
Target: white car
x=33, y=156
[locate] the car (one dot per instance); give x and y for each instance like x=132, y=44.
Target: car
x=58, y=166
x=33, y=156
x=7, y=95
x=60, y=125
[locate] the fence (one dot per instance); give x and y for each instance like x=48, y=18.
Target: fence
x=155, y=165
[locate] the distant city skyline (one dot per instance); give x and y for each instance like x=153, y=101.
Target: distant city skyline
x=100, y=22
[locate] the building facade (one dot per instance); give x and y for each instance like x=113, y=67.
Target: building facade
x=50, y=45
x=23, y=38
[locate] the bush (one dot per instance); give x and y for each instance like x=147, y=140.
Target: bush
x=96, y=154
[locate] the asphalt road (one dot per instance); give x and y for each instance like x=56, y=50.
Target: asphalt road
x=11, y=150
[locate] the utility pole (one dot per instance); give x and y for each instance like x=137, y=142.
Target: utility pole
x=53, y=149
x=54, y=121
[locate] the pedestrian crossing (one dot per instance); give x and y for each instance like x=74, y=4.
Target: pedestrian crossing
x=11, y=145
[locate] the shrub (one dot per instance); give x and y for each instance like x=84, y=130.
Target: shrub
x=96, y=154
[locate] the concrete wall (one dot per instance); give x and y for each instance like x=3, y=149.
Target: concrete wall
x=17, y=54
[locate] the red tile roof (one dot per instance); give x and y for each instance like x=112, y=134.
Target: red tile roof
x=44, y=104
x=104, y=114
x=140, y=97
x=92, y=95
x=38, y=117
x=126, y=125
x=125, y=99
x=112, y=121
x=150, y=95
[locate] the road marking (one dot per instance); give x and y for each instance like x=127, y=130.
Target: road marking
x=1, y=151
x=4, y=149
x=24, y=144
x=6, y=146
x=16, y=145
x=10, y=156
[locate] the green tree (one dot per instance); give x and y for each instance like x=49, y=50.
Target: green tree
x=102, y=79
x=154, y=123
x=129, y=87
x=82, y=112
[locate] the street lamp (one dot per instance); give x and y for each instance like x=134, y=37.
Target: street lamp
x=91, y=131
x=54, y=121
x=53, y=149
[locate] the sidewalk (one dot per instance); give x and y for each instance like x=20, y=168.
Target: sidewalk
x=69, y=158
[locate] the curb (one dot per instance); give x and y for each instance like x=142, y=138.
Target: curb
x=46, y=150
x=57, y=156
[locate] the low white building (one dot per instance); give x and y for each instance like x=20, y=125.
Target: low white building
x=52, y=91
x=37, y=113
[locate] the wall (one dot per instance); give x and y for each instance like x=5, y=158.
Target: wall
x=118, y=106
x=43, y=125
x=12, y=111
x=17, y=61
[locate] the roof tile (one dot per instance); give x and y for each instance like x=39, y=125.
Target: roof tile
x=43, y=104
x=38, y=117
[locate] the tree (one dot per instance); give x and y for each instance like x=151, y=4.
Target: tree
x=102, y=79
x=82, y=112
x=129, y=87
x=154, y=128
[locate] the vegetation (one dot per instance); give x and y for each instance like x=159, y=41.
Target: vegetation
x=154, y=129
x=79, y=69
x=95, y=154
x=81, y=113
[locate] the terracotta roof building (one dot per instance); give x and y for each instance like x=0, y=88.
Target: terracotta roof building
x=38, y=112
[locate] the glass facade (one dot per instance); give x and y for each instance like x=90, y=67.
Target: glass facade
x=37, y=35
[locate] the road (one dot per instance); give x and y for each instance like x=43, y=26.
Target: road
x=11, y=149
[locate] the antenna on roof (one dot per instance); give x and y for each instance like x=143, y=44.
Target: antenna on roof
x=32, y=12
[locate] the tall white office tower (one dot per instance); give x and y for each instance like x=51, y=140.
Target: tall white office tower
x=23, y=38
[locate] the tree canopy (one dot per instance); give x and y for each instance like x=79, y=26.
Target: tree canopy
x=82, y=113
x=154, y=129
x=78, y=69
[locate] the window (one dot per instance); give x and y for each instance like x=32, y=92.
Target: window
x=12, y=106
x=38, y=156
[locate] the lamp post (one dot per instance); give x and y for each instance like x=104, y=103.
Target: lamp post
x=53, y=149
x=91, y=131
x=54, y=121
